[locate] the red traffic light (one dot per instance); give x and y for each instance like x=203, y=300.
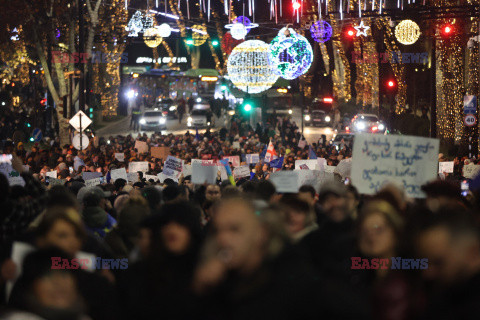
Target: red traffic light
x=447, y=30
x=43, y=102
x=391, y=84
x=351, y=32
x=296, y=6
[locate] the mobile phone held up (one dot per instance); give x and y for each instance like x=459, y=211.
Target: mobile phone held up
x=464, y=186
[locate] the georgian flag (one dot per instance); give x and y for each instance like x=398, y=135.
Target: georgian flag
x=271, y=154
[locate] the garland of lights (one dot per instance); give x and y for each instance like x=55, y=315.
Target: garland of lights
x=139, y=23
x=152, y=37
x=248, y=67
x=291, y=54
x=407, y=32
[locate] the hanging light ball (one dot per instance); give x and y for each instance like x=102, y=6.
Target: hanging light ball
x=321, y=31
x=407, y=32
x=290, y=54
x=238, y=31
x=152, y=37
x=164, y=30
x=199, y=34
x=248, y=67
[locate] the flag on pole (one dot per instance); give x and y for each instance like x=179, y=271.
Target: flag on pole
x=311, y=153
x=262, y=154
x=197, y=136
x=271, y=154
x=277, y=163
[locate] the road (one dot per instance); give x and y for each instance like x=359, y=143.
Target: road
x=122, y=127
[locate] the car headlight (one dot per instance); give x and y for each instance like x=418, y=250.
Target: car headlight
x=327, y=119
x=142, y=121
x=231, y=112
x=172, y=108
x=189, y=119
x=290, y=111
x=360, y=125
x=307, y=117
x=162, y=120
x=208, y=123
x=381, y=127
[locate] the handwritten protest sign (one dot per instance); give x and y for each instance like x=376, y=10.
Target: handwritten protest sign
x=141, y=146
x=93, y=182
x=118, y=174
x=407, y=160
x=241, y=172
x=173, y=166
x=330, y=169
x=149, y=177
x=13, y=176
x=51, y=174
x=311, y=164
x=202, y=174
x=285, y=181
x=235, y=160
x=304, y=167
x=445, y=167
x=252, y=158
x=137, y=166
x=302, y=144
x=132, y=177
x=91, y=175
x=120, y=157
x=160, y=152
x=471, y=171
x=310, y=178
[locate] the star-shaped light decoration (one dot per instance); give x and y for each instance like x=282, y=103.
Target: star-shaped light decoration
x=362, y=29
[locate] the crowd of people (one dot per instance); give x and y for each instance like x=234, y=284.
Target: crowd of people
x=175, y=250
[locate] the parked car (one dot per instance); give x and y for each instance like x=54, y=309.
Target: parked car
x=200, y=118
x=168, y=108
x=367, y=123
x=317, y=118
x=153, y=120
x=344, y=137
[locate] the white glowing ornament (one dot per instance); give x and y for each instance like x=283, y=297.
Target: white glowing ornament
x=248, y=67
x=362, y=29
x=238, y=31
x=407, y=32
x=164, y=30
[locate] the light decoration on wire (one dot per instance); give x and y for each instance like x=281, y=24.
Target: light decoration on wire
x=321, y=31
x=164, y=30
x=291, y=54
x=152, y=37
x=199, y=34
x=362, y=29
x=139, y=23
x=241, y=27
x=248, y=67
x=407, y=32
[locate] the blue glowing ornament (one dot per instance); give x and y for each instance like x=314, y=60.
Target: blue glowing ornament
x=321, y=31
x=290, y=54
x=245, y=21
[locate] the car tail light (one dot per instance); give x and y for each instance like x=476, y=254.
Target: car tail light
x=165, y=112
x=374, y=129
x=347, y=129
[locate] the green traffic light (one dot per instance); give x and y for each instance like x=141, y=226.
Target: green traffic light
x=28, y=125
x=247, y=107
x=91, y=109
x=215, y=43
x=189, y=42
x=31, y=139
x=223, y=87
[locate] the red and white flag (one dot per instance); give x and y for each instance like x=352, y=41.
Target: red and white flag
x=271, y=154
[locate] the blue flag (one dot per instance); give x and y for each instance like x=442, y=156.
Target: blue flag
x=264, y=152
x=311, y=153
x=197, y=136
x=277, y=163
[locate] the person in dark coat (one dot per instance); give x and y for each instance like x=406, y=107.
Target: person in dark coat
x=160, y=285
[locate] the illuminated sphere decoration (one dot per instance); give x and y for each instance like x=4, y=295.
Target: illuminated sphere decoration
x=248, y=67
x=321, y=31
x=152, y=37
x=238, y=31
x=407, y=32
x=291, y=54
x=199, y=35
x=164, y=30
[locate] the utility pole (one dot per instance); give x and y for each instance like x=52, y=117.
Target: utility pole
x=433, y=100
x=81, y=49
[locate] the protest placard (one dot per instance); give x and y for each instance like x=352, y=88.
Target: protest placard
x=241, y=172
x=56, y=182
x=93, y=182
x=187, y=170
x=445, y=167
x=202, y=174
x=137, y=166
x=285, y=181
x=311, y=164
x=162, y=177
x=235, y=160
x=141, y=146
x=252, y=158
x=173, y=166
x=344, y=168
x=160, y=152
x=302, y=144
x=304, y=167
x=223, y=172
x=132, y=177
x=236, y=145
x=471, y=171
x=149, y=177
x=51, y=174
x=310, y=178
x=321, y=164
x=406, y=160
x=91, y=175
x=120, y=157
x=118, y=174
x=13, y=176
x=330, y=169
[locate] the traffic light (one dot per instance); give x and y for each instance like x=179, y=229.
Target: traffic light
x=90, y=113
x=447, y=30
x=190, y=42
x=43, y=102
x=350, y=32
x=247, y=107
x=247, y=104
x=28, y=124
x=391, y=84
x=215, y=43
